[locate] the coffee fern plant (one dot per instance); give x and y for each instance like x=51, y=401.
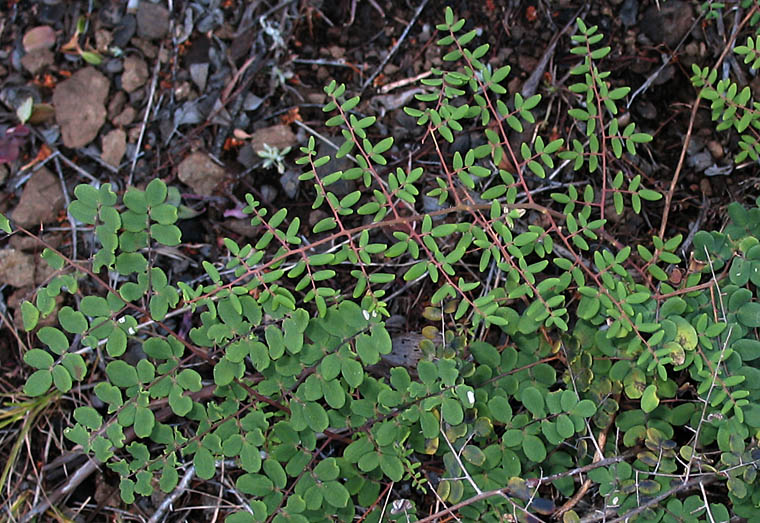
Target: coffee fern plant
x=560, y=371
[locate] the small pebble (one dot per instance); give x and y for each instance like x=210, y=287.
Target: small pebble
x=715, y=148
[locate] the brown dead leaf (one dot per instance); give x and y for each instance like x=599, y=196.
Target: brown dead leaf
x=42, y=154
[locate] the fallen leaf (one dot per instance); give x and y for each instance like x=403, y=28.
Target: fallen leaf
x=41, y=113
x=42, y=154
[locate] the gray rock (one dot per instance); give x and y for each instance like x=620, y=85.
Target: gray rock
x=152, y=20
x=124, y=31
x=629, y=12
x=289, y=182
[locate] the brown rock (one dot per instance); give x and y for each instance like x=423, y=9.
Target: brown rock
x=152, y=20
x=28, y=243
x=126, y=117
x=133, y=134
x=336, y=51
x=148, y=49
x=40, y=37
x=79, y=108
x=135, y=73
x=35, y=61
x=114, y=147
x=715, y=148
x=16, y=268
x=705, y=187
x=103, y=39
x=200, y=173
x=41, y=200
x=279, y=136
x=316, y=97
x=242, y=227
x=116, y=105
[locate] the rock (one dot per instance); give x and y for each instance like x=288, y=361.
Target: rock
x=715, y=148
x=28, y=243
x=700, y=161
x=200, y=173
x=242, y=227
x=116, y=105
x=247, y=157
x=289, y=183
x=79, y=108
x=35, y=61
x=268, y=193
x=628, y=12
x=133, y=135
x=113, y=66
x=316, y=97
x=135, y=73
x=646, y=109
x=114, y=147
x=103, y=40
x=669, y=23
x=152, y=20
x=336, y=52
x=279, y=136
x=40, y=37
x=124, y=31
x=705, y=187
x=16, y=268
x=41, y=200
x=148, y=49
x=124, y=118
